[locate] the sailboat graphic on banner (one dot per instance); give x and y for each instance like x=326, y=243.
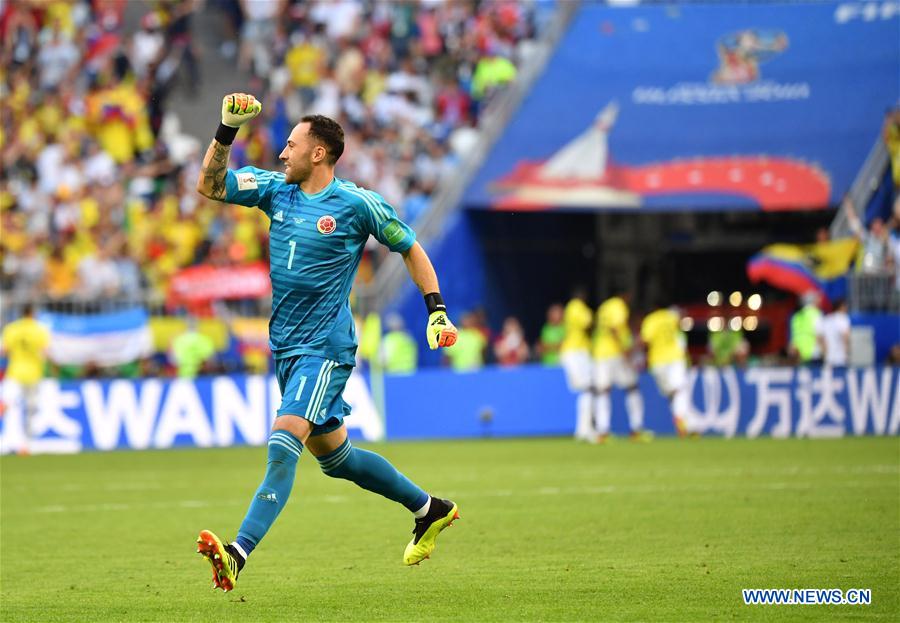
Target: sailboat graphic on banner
x=581, y=174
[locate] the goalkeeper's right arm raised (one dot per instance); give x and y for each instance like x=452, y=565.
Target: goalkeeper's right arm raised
x=211, y=182
x=237, y=109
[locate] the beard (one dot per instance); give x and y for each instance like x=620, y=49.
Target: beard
x=298, y=172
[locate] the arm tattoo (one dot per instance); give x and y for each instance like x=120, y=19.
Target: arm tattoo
x=212, y=173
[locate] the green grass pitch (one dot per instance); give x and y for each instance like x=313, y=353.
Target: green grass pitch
x=550, y=531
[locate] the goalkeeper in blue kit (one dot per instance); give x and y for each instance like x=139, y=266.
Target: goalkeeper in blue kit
x=318, y=227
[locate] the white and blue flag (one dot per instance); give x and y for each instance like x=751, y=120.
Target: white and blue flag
x=106, y=339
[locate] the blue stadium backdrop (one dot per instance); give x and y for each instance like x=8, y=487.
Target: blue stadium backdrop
x=760, y=106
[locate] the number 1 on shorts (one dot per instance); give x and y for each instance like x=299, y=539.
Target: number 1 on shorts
x=300, y=391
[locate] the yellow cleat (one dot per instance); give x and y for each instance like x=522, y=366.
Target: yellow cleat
x=642, y=436
x=441, y=515
x=225, y=565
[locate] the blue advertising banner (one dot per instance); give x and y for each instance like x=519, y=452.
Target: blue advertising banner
x=439, y=404
x=123, y=414
x=534, y=400
x=741, y=106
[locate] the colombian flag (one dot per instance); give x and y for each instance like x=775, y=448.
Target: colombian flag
x=821, y=267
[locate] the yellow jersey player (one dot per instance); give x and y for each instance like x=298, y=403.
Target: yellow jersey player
x=25, y=342
x=613, y=345
x=667, y=360
x=574, y=354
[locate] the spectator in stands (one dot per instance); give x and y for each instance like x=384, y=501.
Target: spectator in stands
x=467, y=354
x=339, y=18
x=58, y=56
x=180, y=40
x=305, y=62
x=99, y=167
x=875, y=247
x=510, y=348
x=399, y=350
x=873, y=251
x=480, y=319
x=30, y=267
x=98, y=276
x=60, y=277
x=234, y=20
x=728, y=347
x=20, y=34
x=894, y=243
x=258, y=33
x=454, y=106
x=416, y=203
x=147, y=45
x=492, y=72
x=191, y=351
x=117, y=117
x=552, y=335
x=803, y=347
x=368, y=330
x=129, y=274
x=833, y=333
x=891, y=134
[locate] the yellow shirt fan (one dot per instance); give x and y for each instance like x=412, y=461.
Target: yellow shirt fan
x=663, y=336
x=613, y=337
x=26, y=341
x=577, y=321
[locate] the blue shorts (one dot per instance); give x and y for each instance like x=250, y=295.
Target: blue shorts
x=312, y=388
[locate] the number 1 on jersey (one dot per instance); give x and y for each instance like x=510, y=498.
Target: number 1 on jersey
x=291, y=258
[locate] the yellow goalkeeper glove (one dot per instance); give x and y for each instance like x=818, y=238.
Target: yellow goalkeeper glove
x=440, y=331
x=239, y=108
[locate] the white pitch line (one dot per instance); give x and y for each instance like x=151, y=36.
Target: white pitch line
x=602, y=473
x=133, y=486
x=462, y=495
x=193, y=504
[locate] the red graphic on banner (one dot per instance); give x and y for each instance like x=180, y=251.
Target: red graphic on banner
x=201, y=284
x=773, y=183
x=581, y=174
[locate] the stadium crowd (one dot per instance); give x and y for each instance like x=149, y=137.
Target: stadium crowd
x=94, y=202
x=98, y=194
x=407, y=80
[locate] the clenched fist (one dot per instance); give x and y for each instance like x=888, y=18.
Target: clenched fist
x=239, y=108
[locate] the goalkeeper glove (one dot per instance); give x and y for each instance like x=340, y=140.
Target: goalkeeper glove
x=440, y=330
x=238, y=109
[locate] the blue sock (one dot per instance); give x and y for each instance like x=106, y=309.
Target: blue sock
x=273, y=493
x=372, y=472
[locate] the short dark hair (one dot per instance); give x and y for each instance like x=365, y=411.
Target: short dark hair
x=327, y=131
